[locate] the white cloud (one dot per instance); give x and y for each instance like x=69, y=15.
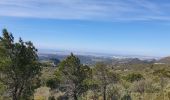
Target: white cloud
x=111, y=10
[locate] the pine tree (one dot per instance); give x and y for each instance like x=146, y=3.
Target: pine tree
x=73, y=75
x=19, y=66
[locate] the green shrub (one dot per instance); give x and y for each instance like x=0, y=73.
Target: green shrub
x=134, y=77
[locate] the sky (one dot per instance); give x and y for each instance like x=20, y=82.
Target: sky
x=139, y=27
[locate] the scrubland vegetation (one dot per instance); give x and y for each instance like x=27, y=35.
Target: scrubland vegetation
x=24, y=77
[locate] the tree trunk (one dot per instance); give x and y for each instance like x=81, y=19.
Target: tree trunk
x=14, y=97
x=75, y=96
x=104, y=93
x=14, y=94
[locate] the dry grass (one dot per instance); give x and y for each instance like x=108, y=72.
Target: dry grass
x=42, y=93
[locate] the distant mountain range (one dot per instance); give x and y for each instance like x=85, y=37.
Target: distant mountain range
x=165, y=60
x=104, y=55
x=91, y=58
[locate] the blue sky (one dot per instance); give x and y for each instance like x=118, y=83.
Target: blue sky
x=107, y=26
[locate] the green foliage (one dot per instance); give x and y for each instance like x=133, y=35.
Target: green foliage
x=53, y=83
x=91, y=84
x=133, y=77
x=62, y=98
x=19, y=66
x=73, y=74
x=51, y=98
x=113, y=92
x=126, y=97
x=2, y=89
x=105, y=76
x=162, y=73
x=168, y=95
